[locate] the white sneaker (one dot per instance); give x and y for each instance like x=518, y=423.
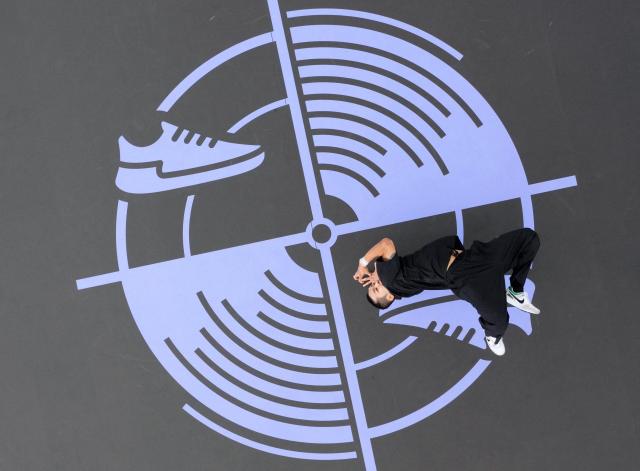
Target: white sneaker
x=521, y=301
x=496, y=346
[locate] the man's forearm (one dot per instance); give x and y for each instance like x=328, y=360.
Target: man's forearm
x=383, y=249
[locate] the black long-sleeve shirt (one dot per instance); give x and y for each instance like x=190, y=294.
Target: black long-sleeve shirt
x=424, y=269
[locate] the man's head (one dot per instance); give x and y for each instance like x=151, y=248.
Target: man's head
x=377, y=294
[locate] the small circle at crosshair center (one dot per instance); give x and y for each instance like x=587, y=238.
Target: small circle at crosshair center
x=321, y=233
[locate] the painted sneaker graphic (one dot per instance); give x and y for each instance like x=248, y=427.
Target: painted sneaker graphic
x=182, y=158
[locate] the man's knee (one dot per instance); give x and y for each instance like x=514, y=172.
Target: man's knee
x=532, y=238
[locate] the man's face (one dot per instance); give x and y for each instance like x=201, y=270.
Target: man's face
x=377, y=291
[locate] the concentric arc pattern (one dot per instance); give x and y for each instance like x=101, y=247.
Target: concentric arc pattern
x=267, y=360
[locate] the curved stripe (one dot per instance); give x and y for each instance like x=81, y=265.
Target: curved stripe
x=386, y=79
x=308, y=359
x=312, y=310
x=381, y=43
x=386, y=355
x=250, y=420
x=186, y=224
x=382, y=115
x=256, y=114
x=294, y=294
x=266, y=448
x=352, y=155
x=382, y=98
x=298, y=278
x=287, y=310
x=392, y=63
x=211, y=64
x=434, y=406
x=350, y=173
x=347, y=190
x=329, y=109
x=380, y=19
x=274, y=357
x=258, y=405
x=313, y=326
x=295, y=342
x=329, y=160
x=341, y=144
x=319, y=132
x=291, y=330
x=274, y=374
x=121, y=235
x=215, y=360
x=294, y=409
x=280, y=339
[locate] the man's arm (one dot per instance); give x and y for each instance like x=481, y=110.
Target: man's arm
x=384, y=249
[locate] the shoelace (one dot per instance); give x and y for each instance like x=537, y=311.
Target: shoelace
x=190, y=134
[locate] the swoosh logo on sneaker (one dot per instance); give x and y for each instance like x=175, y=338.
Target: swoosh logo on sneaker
x=514, y=297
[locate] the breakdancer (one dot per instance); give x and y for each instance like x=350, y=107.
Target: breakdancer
x=475, y=275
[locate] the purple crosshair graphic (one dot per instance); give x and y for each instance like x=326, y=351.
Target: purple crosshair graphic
x=380, y=119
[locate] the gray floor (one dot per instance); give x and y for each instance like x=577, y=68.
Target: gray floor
x=81, y=390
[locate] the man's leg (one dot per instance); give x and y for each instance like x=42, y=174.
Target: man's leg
x=529, y=243
x=515, y=251
x=486, y=295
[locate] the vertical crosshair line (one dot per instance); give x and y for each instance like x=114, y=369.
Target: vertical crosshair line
x=347, y=359
x=293, y=100
x=296, y=112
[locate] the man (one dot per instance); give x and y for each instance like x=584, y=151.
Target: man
x=475, y=275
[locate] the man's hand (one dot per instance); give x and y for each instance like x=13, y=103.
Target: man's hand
x=384, y=249
x=362, y=275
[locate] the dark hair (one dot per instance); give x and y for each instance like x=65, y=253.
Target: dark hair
x=378, y=305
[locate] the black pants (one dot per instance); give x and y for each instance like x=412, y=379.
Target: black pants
x=478, y=274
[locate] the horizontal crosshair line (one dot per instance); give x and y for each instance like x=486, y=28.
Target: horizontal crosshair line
x=347, y=228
